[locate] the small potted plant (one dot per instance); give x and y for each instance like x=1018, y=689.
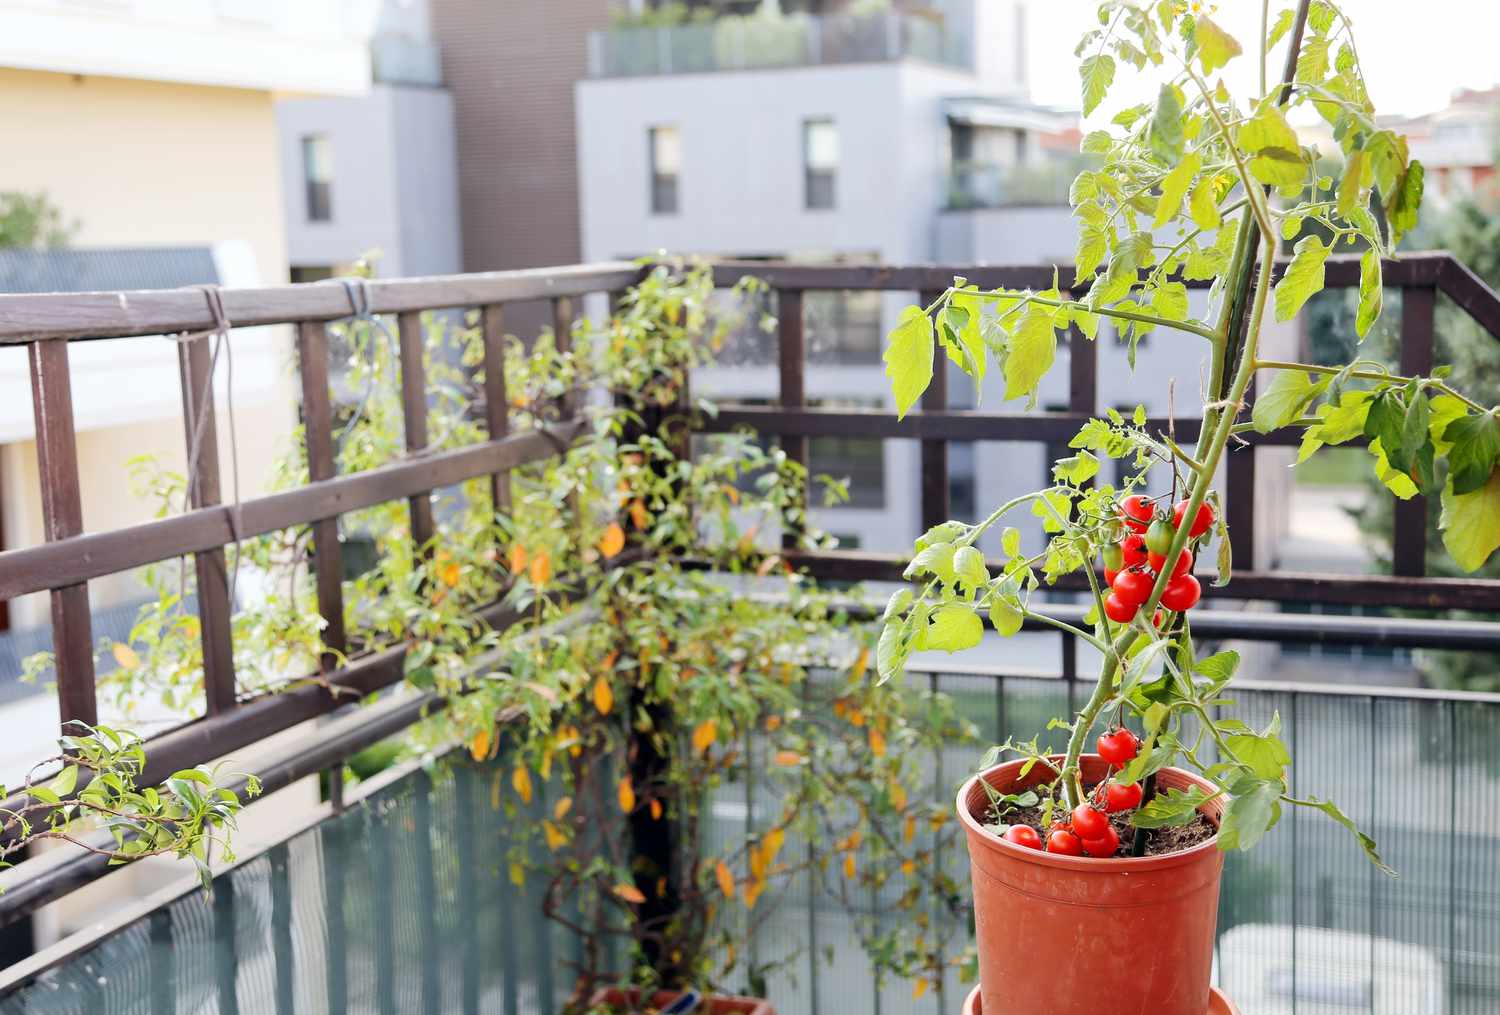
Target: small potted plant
x=1110, y=859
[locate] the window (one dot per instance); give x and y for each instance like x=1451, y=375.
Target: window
x=666, y=162
x=820, y=160
x=317, y=176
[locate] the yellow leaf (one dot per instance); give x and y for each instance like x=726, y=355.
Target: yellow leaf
x=909, y=831
x=752, y=892
x=732, y=492
x=908, y=867
x=877, y=742
x=861, y=664
x=856, y=718
x=520, y=781
x=495, y=793
x=773, y=723
x=540, y=570
x=613, y=540
x=604, y=697
x=556, y=838
x=450, y=574
x=759, y=861
x=726, y=879
x=849, y=866
x=517, y=874
x=562, y=807
x=788, y=759
x=630, y=893
x=517, y=558
x=639, y=515
x=775, y=838
x=125, y=656
x=479, y=747
x=655, y=809
x=918, y=989
x=626, y=794
x=704, y=735
x=898, y=796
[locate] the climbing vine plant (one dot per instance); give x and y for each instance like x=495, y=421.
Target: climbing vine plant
x=1196, y=186
x=660, y=661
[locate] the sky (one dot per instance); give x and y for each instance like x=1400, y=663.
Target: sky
x=1412, y=63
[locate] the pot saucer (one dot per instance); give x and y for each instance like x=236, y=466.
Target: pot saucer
x=1218, y=1004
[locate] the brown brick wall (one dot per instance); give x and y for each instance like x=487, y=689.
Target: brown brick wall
x=511, y=65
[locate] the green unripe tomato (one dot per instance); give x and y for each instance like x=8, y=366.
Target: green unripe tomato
x=1114, y=557
x=1159, y=537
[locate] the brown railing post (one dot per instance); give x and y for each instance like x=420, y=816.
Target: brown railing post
x=496, y=401
x=1409, y=536
x=62, y=516
x=562, y=335
x=215, y=611
x=414, y=413
x=791, y=362
x=317, y=429
x=934, y=462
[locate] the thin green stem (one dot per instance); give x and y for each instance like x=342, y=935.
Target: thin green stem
x=1372, y=375
x=1190, y=327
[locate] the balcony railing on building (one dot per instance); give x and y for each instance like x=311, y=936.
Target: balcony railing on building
x=983, y=184
x=767, y=41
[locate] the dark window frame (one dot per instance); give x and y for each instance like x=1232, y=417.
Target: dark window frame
x=317, y=177
x=664, y=188
x=819, y=183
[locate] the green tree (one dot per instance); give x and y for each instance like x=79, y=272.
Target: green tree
x=32, y=221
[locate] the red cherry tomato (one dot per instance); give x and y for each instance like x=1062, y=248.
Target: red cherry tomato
x=1118, y=746
x=1088, y=822
x=1183, y=566
x=1119, y=797
x=1133, y=550
x=1065, y=842
x=1201, y=522
x=1024, y=835
x=1182, y=593
x=1119, y=610
x=1136, y=511
x=1133, y=586
x=1105, y=845
x=1110, y=576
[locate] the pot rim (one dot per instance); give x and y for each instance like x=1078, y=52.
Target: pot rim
x=1083, y=864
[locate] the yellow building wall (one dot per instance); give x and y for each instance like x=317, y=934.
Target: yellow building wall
x=141, y=163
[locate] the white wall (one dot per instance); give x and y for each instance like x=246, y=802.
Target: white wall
x=395, y=186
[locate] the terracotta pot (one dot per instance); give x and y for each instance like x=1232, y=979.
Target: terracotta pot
x=1066, y=935
x=629, y=999
x=1218, y=1004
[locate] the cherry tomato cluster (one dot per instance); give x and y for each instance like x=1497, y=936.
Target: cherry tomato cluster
x=1088, y=830
x=1132, y=565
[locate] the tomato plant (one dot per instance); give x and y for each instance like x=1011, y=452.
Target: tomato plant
x=1195, y=184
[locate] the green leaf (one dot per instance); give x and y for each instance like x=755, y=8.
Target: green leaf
x=908, y=358
x=1010, y=541
x=1267, y=129
x=1216, y=47
x=1076, y=469
x=954, y=628
x=1474, y=451
x=1350, y=184
x=968, y=567
x=1280, y=27
x=1166, y=134
x=1303, y=278
x=1005, y=616
x=1471, y=523
x=1203, y=207
x=1098, y=73
x=1219, y=667
x=891, y=651
x=963, y=339
x=1093, y=246
x=1033, y=347
x=1407, y=200
x=66, y=780
x=1366, y=843
x=1384, y=422
x=1170, y=809
x=1287, y=397
x=1253, y=809
x=1312, y=61
x=1266, y=756
x=936, y=559
x=1170, y=301
x=1371, y=292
